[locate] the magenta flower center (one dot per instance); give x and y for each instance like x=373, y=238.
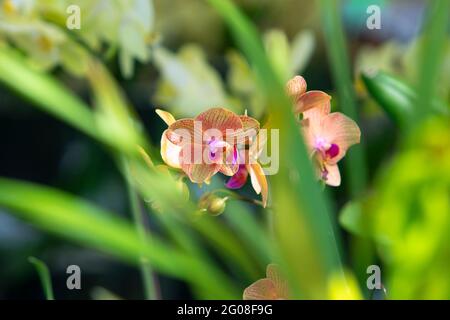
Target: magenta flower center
x=333, y=151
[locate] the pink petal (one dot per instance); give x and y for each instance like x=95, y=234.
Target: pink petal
x=340, y=130
x=310, y=100
x=273, y=273
x=262, y=289
x=184, y=131
x=295, y=87
x=312, y=123
x=231, y=165
x=333, y=177
x=194, y=165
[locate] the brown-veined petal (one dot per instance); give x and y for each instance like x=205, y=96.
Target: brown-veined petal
x=333, y=177
x=184, y=131
x=262, y=289
x=258, y=144
x=167, y=117
x=273, y=273
x=220, y=119
x=342, y=131
x=194, y=165
x=170, y=152
x=250, y=129
x=312, y=123
x=310, y=100
x=259, y=181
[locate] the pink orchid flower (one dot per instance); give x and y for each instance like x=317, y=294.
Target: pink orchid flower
x=273, y=287
x=327, y=135
x=207, y=144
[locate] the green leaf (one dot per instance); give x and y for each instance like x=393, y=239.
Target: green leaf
x=46, y=93
x=304, y=229
x=77, y=220
x=396, y=97
x=44, y=276
x=340, y=66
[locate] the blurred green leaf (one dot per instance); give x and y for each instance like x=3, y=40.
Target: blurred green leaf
x=409, y=214
x=45, y=92
x=302, y=48
x=431, y=57
x=44, y=276
x=396, y=97
x=352, y=218
x=340, y=67
x=115, y=119
x=79, y=221
x=304, y=230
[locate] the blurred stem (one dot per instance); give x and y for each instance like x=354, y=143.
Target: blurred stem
x=148, y=277
x=340, y=67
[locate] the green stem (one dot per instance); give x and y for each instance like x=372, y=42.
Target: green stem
x=44, y=276
x=150, y=285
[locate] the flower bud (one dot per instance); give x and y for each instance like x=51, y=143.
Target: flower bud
x=212, y=204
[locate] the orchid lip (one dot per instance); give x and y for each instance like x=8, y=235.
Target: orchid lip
x=333, y=151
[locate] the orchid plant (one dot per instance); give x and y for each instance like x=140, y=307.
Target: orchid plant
x=218, y=140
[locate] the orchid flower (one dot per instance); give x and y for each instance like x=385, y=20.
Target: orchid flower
x=206, y=144
x=273, y=287
x=327, y=135
x=248, y=164
x=304, y=100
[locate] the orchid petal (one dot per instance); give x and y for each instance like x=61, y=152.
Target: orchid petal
x=273, y=273
x=259, y=181
x=239, y=179
x=333, y=177
x=167, y=117
x=249, y=123
x=170, y=152
x=258, y=145
x=220, y=119
x=184, y=131
x=340, y=130
x=262, y=289
x=250, y=129
x=231, y=165
x=193, y=164
x=296, y=87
